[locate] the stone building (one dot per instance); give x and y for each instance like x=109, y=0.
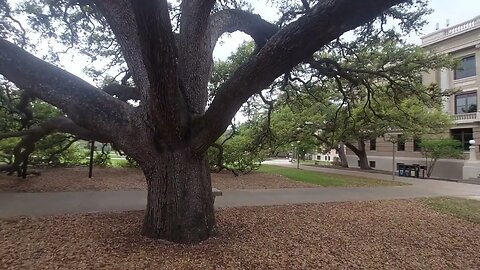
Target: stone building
x=462, y=41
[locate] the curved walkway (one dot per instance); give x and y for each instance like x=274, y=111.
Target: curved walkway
x=37, y=204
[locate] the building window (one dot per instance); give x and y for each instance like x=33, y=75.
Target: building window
x=416, y=145
x=400, y=143
x=466, y=68
x=319, y=157
x=372, y=164
x=373, y=145
x=358, y=163
x=466, y=103
x=463, y=135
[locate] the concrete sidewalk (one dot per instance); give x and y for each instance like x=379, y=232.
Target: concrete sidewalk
x=38, y=204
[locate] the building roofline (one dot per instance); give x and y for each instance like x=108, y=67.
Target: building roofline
x=451, y=31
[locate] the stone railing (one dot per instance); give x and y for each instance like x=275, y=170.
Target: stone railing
x=451, y=31
x=466, y=117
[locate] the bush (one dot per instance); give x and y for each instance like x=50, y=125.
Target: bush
x=102, y=159
x=239, y=154
x=48, y=152
x=6, y=149
x=435, y=149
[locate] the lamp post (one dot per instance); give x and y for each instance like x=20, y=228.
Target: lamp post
x=473, y=156
x=90, y=165
x=298, y=155
x=391, y=138
x=393, y=160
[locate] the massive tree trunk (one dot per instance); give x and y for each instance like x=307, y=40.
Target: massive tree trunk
x=180, y=200
x=342, y=155
x=361, y=154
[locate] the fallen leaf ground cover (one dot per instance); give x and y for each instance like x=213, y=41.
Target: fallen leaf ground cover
x=76, y=179
x=399, y=234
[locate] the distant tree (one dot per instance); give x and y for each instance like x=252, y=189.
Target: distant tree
x=374, y=87
x=40, y=145
x=435, y=149
x=238, y=150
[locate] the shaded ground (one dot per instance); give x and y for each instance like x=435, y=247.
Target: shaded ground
x=76, y=179
x=383, y=235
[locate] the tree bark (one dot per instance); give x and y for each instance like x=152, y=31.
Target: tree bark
x=180, y=200
x=342, y=156
x=361, y=154
x=364, y=165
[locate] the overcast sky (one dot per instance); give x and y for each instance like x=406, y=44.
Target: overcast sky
x=456, y=11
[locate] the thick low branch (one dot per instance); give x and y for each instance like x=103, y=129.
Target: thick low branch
x=122, y=92
x=23, y=106
x=291, y=45
x=60, y=124
x=120, y=17
x=231, y=20
x=30, y=136
x=85, y=105
x=353, y=148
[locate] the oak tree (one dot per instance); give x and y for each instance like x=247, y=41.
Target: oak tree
x=168, y=49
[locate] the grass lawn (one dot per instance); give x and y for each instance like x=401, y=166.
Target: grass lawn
x=119, y=162
x=312, y=162
x=462, y=208
x=325, y=179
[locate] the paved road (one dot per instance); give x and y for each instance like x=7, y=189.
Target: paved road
x=37, y=204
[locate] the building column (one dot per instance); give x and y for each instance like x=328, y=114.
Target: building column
x=444, y=85
x=476, y=136
x=477, y=66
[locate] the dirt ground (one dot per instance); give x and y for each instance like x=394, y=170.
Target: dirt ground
x=401, y=234
x=76, y=179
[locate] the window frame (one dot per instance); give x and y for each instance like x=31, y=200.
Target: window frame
x=373, y=146
x=461, y=65
x=400, y=143
x=466, y=95
x=464, y=140
x=416, y=145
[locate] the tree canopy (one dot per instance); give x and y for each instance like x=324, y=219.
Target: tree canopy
x=161, y=52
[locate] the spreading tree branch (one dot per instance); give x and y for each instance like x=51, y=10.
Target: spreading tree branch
x=231, y=20
x=122, y=92
x=193, y=40
x=166, y=105
x=30, y=136
x=291, y=45
x=60, y=124
x=86, y=105
x=119, y=15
